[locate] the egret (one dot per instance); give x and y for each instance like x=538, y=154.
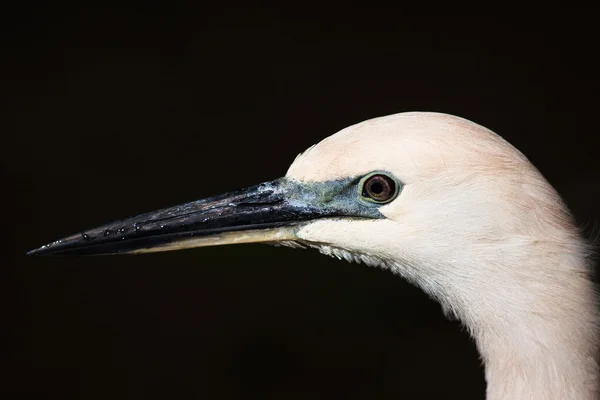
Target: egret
x=439, y=200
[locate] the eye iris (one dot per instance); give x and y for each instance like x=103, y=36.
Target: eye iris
x=379, y=188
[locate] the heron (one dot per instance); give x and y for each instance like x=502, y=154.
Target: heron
x=439, y=200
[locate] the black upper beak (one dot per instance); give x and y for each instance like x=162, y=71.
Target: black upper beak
x=258, y=213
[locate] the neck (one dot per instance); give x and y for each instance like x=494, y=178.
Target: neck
x=536, y=328
x=542, y=344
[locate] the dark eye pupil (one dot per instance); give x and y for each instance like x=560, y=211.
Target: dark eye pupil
x=379, y=188
x=376, y=188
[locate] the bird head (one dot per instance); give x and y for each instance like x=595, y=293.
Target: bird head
x=460, y=212
x=440, y=200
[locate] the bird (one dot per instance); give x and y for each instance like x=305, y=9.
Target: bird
x=440, y=201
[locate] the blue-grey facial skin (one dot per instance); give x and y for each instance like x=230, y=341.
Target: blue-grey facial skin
x=336, y=198
x=281, y=202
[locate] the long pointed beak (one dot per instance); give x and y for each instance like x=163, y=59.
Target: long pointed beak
x=267, y=212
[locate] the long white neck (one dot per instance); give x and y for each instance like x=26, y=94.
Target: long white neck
x=538, y=338
x=535, y=323
x=528, y=370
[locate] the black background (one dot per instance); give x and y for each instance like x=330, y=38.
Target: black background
x=110, y=112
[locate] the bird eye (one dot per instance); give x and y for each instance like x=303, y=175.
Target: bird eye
x=379, y=188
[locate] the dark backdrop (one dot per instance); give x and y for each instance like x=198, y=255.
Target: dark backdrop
x=110, y=112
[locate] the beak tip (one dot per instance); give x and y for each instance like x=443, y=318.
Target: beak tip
x=57, y=247
x=40, y=251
